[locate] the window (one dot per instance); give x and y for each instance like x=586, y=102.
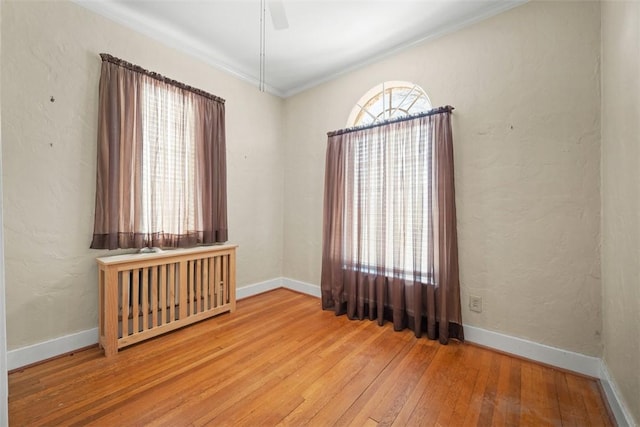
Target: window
x=161, y=178
x=388, y=101
x=390, y=188
x=392, y=173
x=168, y=161
x=389, y=245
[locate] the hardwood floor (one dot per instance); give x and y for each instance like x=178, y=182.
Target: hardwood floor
x=280, y=360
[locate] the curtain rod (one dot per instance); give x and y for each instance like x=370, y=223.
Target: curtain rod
x=433, y=111
x=159, y=77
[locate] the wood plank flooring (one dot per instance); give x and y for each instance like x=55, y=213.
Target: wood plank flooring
x=280, y=360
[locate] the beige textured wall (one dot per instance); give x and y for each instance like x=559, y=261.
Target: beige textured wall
x=621, y=197
x=4, y=386
x=49, y=149
x=525, y=85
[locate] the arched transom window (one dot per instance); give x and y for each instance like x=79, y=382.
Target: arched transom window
x=387, y=101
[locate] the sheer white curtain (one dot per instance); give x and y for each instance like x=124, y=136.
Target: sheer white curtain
x=168, y=160
x=388, y=219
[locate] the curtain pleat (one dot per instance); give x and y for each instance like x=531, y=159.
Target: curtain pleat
x=211, y=171
x=119, y=159
x=161, y=167
x=389, y=226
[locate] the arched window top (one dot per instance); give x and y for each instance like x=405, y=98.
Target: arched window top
x=389, y=100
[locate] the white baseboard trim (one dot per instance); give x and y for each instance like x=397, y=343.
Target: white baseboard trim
x=258, y=288
x=280, y=282
x=303, y=287
x=616, y=402
x=51, y=348
x=587, y=365
x=569, y=360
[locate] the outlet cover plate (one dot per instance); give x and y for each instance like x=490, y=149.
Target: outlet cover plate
x=475, y=303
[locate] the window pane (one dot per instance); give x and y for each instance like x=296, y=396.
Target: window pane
x=390, y=222
x=390, y=101
x=168, y=166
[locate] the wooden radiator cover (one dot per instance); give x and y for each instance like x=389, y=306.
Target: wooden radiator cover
x=141, y=296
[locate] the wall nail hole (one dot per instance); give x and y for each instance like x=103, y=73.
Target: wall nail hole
x=52, y=99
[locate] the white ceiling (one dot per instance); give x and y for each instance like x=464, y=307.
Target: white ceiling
x=324, y=38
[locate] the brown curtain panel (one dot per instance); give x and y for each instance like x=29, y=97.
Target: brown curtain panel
x=390, y=248
x=161, y=170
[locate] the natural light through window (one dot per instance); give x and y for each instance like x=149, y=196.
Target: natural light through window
x=388, y=101
x=392, y=174
x=168, y=161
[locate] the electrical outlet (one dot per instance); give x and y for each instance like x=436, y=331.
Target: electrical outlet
x=475, y=303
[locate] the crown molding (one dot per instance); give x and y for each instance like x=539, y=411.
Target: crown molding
x=172, y=37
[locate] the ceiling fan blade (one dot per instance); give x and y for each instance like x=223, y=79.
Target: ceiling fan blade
x=278, y=14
